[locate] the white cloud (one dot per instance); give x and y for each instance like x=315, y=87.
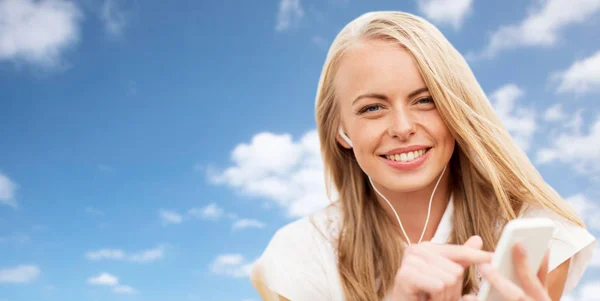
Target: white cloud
x=7, y=191
x=117, y=254
x=211, y=212
x=19, y=274
x=582, y=77
x=518, y=120
x=105, y=254
x=320, y=42
x=113, y=18
x=289, y=173
x=554, y=113
x=290, y=13
x=451, y=12
x=541, y=27
x=595, y=262
x=147, y=255
x=580, y=150
x=247, y=223
x=38, y=32
x=170, y=217
x=104, y=279
x=588, y=291
x=586, y=209
x=233, y=265
x=123, y=289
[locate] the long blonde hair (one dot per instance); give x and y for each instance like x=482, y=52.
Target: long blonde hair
x=491, y=177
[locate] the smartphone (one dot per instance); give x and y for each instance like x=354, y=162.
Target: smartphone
x=534, y=235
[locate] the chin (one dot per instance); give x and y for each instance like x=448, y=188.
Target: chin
x=405, y=184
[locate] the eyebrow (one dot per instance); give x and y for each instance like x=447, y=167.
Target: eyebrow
x=383, y=97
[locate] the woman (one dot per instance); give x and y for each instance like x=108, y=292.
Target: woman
x=426, y=176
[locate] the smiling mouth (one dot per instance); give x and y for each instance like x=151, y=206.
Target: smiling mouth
x=407, y=156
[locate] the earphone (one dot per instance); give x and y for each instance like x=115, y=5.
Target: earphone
x=396, y=214
x=347, y=139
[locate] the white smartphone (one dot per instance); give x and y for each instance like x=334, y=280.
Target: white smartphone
x=534, y=235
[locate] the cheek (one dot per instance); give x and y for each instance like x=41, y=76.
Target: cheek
x=368, y=135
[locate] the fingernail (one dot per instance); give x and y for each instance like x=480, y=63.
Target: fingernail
x=520, y=250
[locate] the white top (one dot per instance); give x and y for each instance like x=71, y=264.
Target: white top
x=300, y=261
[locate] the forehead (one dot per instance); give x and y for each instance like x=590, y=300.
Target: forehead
x=377, y=66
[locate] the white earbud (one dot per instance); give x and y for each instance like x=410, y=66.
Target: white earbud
x=345, y=137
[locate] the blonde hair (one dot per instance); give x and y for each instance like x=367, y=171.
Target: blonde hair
x=491, y=177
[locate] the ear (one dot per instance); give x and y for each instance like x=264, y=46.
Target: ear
x=343, y=139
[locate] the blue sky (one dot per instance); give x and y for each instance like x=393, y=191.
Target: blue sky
x=134, y=134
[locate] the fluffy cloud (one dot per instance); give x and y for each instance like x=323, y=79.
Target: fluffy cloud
x=211, y=212
x=106, y=279
x=38, y=32
x=588, y=291
x=123, y=289
x=103, y=279
x=7, y=191
x=233, y=265
x=116, y=254
x=581, y=150
x=541, y=27
x=247, y=223
x=170, y=217
x=286, y=172
x=595, y=262
x=583, y=76
x=290, y=13
x=554, y=113
x=519, y=121
x=113, y=18
x=586, y=209
x=451, y=12
x=19, y=274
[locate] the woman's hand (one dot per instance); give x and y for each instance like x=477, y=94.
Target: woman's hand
x=534, y=288
x=435, y=272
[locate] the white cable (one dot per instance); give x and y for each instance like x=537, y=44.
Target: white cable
x=396, y=214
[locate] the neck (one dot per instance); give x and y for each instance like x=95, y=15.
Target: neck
x=412, y=208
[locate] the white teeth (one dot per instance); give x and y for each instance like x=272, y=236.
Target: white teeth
x=405, y=157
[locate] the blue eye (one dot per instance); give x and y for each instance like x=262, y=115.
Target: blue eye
x=425, y=100
x=370, y=108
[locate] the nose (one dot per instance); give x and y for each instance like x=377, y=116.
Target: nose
x=402, y=125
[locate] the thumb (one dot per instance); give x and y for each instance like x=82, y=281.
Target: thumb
x=474, y=242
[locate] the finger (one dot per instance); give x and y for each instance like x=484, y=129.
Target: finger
x=469, y=298
x=542, y=273
x=463, y=255
x=508, y=290
x=530, y=284
x=474, y=242
x=448, y=271
x=421, y=276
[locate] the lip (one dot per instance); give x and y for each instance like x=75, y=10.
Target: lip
x=405, y=149
x=414, y=164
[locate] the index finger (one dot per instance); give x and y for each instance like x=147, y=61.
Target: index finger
x=463, y=255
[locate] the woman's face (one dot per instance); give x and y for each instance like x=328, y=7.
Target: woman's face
x=398, y=136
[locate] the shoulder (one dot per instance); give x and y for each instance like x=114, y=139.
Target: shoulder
x=299, y=261
x=569, y=242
